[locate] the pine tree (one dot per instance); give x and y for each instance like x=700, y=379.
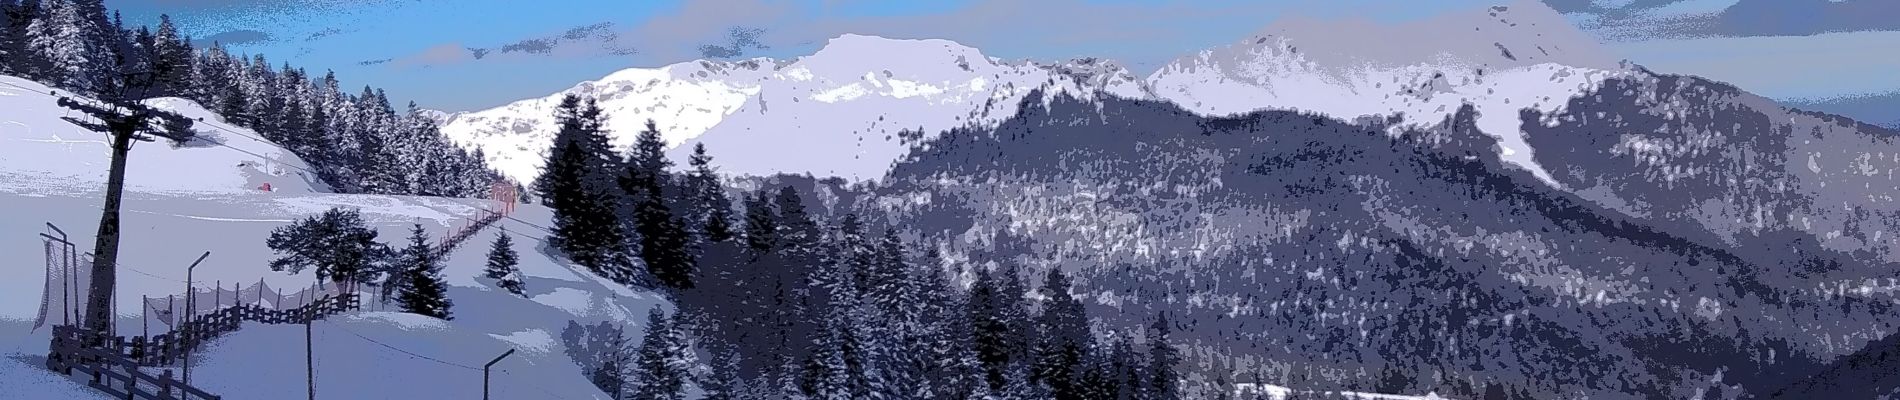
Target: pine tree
x=585, y=224
x=376, y=164
x=990, y=336
x=1022, y=385
x=322, y=150
x=117, y=80
x=711, y=213
x=663, y=241
x=562, y=186
x=941, y=342
x=602, y=353
x=297, y=130
x=9, y=10
x=1101, y=377
x=71, y=43
x=663, y=363
x=854, y=258
x=7, y=54
x=725, y=382
x=171, y=59
x=1129, y=372
x=761, y=224
x=11, y=51
x=136, y=62
x=211, y=73
x=21, y=58
x=231, y=105
x=798, y=244
x=1013, y=314
x=646, y=164
x=337, y=244
x=885, y=280
x=1065, y=338
x=1494, y=391
x=863, y=341
x=1162, y=361
x=795, y=264
x=502, y=264
x=422, y=289
x=846, y=359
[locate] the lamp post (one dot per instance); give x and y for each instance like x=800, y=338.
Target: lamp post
x=191, y=311
x=485, y=371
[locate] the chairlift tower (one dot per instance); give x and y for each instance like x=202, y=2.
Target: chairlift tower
x=124, y=121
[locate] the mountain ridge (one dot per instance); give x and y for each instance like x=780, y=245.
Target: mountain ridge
x=1528, y=55
x=719, y=103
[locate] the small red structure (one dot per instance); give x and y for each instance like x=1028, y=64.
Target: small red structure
x=266, y=187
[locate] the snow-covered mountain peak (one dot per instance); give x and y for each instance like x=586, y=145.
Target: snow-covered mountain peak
x=1521, y=34
x=1499, y=59
x=909, y=59
x=1105, y=75
x=837, y=112
x=840, y=110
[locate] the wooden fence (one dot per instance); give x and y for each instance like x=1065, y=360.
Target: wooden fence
x=111, y=371
x=114, y=361
x=461, y=233
x=167, y=348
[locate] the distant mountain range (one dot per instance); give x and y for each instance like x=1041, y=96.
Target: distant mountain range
x=857, y=105
x=1491, y=200
x=1883, y=110
x=834, y=113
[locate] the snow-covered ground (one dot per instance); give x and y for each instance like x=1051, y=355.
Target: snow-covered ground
x=38, y=146
x=165, y=232
x=183, y=201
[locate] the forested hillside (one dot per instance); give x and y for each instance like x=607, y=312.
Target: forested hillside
x=358, y=142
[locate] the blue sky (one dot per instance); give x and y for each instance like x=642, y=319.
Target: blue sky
x=472, y=54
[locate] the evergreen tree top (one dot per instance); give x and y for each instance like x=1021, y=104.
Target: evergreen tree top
x=700, y=160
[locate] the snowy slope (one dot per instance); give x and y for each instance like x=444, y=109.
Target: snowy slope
x=1499, y=59
x=36, y=145
x=835, y=112
x=166, y=230
x=181, y=202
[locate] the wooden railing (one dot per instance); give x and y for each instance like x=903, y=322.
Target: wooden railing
x=113, y=362
x=113, y=372
x=167, y=348
x=463, y=232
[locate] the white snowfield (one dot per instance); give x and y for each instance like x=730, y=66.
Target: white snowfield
x=39, y=146
x=182, y=202
x=837, y=112
x=1500, y=60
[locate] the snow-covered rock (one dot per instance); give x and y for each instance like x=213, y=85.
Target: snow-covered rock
x=836, y=112
x=1499, y=59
